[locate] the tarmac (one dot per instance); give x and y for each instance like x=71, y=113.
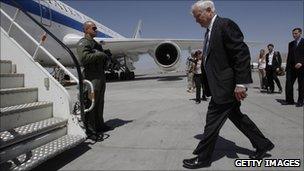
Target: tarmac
x=157, y=124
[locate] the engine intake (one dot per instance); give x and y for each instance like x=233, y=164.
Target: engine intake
x=167, y=56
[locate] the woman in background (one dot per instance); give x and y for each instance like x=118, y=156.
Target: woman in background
x=262, y=71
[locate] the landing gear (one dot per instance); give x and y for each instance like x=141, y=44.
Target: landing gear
x=126, y=75
x=111, y=76
x=121, y=76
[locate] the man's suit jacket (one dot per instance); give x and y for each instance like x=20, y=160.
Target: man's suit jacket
x=295, y=55
x=227, y=61
x=276, y=61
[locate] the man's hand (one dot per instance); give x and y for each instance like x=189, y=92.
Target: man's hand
x=240, y=93
x=277, y=69
x=298, y=65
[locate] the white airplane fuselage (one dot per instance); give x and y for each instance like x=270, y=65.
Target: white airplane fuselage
x=57, y=17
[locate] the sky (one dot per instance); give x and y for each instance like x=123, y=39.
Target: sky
x=265, y=21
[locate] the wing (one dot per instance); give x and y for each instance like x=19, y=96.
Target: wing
x=126, y=46
x=166, y=52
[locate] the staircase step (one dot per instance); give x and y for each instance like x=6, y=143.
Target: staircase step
x=5, y=67
x=25, y=147
x=16, y=96
x=16, y=135
x=18, y=115
x=45, y=152
x=11, y=80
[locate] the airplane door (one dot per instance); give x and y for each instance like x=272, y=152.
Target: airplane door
x=45, y=13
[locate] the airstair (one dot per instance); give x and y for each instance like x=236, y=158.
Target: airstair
x=36, y=120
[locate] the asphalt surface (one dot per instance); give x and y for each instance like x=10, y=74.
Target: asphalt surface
x=157, y=124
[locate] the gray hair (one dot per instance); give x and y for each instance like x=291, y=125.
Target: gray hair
x=87, y=23
x=203, y=5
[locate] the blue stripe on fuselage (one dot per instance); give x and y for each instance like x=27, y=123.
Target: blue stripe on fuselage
x=34, y=8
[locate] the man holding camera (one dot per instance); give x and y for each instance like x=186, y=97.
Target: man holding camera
x=93, y=59
x=273, y=64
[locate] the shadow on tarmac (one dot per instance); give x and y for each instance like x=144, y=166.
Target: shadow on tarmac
x=226, y=148
x=158, y=78
x=114, y=123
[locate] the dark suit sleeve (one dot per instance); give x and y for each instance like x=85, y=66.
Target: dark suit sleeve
x=267, y=59
x=279, y=59
x=289, y=56
x=300, y=54
x=238, y=52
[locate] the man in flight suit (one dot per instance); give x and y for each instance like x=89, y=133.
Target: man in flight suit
x=93, y=59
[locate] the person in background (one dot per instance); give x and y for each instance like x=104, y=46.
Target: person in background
x=198, y=77
x=273, y=64
x=295, y=68
x=262, y=71
x=190, y=73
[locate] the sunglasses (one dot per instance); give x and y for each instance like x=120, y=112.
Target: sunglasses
x=94, y=28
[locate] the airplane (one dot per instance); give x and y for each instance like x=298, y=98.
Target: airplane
x=66, y=23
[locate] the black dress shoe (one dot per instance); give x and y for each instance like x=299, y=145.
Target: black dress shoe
x=195, y=163
x=95, y=136
x=260, y=153
x=191, y=160
x=204, y=98
x=287, y=103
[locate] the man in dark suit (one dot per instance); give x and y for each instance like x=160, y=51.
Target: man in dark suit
x=273, y=64
x=227, y=68
x=295, y=68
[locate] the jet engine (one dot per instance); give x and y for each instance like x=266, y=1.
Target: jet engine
x=167, y=56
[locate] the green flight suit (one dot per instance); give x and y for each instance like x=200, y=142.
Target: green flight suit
x=93, y=59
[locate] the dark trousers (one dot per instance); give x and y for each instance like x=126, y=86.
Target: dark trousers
x=95, y=116
x=291, y=76
x=271, y=77
x=198, y=78
x=217, y=114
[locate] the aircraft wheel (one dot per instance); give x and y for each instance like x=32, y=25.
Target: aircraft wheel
x=132, y=75
x=122, y=76
x=116, y=76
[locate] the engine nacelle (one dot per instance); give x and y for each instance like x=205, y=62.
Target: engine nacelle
x=167, y=56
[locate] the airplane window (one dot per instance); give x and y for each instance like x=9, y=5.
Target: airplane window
x=59, y=5
x=78, y=14
x=71, y=11
x=64, y=8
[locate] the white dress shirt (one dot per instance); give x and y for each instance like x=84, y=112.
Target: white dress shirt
x=210, y=30
x=270, y=58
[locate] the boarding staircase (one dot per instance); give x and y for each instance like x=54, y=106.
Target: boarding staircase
x=36, y=120
x=29, y=133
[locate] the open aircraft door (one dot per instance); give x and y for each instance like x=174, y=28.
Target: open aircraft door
x=45, y=13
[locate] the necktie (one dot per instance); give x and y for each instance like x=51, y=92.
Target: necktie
x=205, y=45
